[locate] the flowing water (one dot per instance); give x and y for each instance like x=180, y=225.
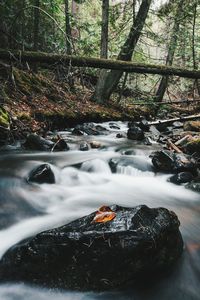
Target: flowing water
x=84, y=182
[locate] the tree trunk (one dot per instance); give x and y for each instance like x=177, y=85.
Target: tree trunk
x=171, y=51
x=75, y=32
x=107, y=83
x=195, y=64
x=104, y=29
x=36, y=25
x=67, y=29
x=124, y=66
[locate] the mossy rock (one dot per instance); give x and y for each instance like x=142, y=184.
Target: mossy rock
x=192, y=126
x=4, y=118
x=193, y=146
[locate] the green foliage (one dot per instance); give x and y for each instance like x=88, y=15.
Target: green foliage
x=17, y=22
x=4, y=118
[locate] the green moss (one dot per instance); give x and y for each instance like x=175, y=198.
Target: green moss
x=4, y=118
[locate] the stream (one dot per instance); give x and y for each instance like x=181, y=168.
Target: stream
x=84, y=182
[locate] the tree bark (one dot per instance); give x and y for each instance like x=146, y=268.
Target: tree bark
x=195, y=64
x=36, y=25
x=68, y=29
x=107, y=83
x=123, y=66
x=171, y=51
x=169, y=121
x=104, y=29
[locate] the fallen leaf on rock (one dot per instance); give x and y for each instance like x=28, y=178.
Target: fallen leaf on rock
x=104, y=214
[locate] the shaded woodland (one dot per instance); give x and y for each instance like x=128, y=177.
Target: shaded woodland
x=68, y=56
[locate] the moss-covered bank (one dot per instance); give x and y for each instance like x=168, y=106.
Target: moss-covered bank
x=39, y=102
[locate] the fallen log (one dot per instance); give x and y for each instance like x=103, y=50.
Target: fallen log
x=49, y=58
x=169, y=121
x=180, y=102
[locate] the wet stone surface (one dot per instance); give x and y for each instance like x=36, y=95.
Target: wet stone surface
x=84, y=255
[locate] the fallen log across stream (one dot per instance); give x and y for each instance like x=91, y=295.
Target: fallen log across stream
x=169, y=121
x=132, y=67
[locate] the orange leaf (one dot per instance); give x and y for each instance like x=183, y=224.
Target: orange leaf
x=104, y=214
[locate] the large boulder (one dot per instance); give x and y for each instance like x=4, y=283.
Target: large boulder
x=85, y=255
x=168, y=161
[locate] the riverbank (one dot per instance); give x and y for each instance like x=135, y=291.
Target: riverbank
x=38, y=102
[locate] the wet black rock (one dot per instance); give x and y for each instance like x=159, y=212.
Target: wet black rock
x=101, y=128
x=86, y=128
x=35, y=142
x=61, y=145
x=168, y=161
x=144, y=125
x=194, y=185
x=84, y=255
x=84, y=146
x=114, y=126
x=182, y=177
x=119, y=135
x=162, y=126
x=42, y=174
x=135, y=133
x=77, y=131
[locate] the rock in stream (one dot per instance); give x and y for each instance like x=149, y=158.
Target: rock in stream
x=84, y=255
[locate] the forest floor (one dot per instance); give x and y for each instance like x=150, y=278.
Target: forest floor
x=38, y=102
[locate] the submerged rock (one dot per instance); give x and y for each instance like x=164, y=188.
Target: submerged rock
x=101, y=128
x=84, y=146
x=120, y=135
x=42, y=174
x=114, y=126
x=118, y=164
x=84, y=255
